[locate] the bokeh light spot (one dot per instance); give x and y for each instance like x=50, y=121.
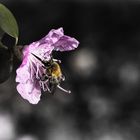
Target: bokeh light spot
x=7, y=128
x=129, y=75
x=84, y=62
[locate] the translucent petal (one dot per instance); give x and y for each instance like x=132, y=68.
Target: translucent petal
x=66, y=43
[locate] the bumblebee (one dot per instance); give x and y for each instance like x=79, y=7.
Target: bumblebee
x=53, y=74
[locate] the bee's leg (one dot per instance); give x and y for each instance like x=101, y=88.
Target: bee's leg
x=44, y=77
x=52, y=88
x=41, y=84
x=62, y=77
x=56, y=60
x=44, y=86
x=49, y=90
x=67, y=91
x=47, y=84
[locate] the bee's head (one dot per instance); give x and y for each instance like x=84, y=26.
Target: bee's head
x=47, y=64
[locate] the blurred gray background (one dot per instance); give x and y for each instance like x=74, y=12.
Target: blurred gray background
x=103, y=73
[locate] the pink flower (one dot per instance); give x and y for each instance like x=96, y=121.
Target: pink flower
x=31, y=71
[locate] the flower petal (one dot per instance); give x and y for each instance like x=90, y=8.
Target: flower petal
x=66, y=43
x=30, y=92
x=23, y=73
x=53, y=36
x=31, y=71
x=43, y=51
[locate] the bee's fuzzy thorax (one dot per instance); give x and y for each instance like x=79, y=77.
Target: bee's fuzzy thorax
x=56, y=70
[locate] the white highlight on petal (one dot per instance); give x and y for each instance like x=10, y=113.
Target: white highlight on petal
x=74, y=45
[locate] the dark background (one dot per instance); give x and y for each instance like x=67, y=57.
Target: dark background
x=103, y=73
